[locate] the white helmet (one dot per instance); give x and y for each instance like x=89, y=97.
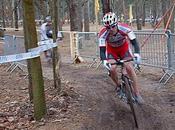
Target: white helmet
x=48, y=19
x=109, y=19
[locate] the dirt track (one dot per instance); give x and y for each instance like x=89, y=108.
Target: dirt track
x=99, y=109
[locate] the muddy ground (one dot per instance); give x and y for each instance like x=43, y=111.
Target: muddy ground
x=87, y=100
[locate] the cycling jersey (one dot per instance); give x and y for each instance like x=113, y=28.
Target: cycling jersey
x=117, y=45
x=45, y=31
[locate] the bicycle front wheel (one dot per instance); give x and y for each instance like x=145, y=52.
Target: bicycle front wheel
x=130, y=98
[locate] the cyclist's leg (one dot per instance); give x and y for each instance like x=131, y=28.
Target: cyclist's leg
x=111, y=57
x=45, y=54
x=132, y=75
x=113, y=72
x=126, y=53
x=48, y=55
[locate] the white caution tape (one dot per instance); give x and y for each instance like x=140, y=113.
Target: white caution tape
x=44, y=45
x=33, y=53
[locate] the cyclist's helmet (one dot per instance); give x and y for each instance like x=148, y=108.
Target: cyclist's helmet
x=48, y=19
x=109, y=19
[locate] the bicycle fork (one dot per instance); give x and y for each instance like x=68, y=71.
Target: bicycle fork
x=124, y=97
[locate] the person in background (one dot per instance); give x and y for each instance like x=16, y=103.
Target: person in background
x=46, y=33
x=114, y=40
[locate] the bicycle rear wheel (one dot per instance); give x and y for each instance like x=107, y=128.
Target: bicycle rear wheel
x=129, y=96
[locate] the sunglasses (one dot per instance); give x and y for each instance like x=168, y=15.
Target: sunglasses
x=111, y=27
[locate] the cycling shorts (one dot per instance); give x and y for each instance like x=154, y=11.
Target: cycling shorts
x=121, y=52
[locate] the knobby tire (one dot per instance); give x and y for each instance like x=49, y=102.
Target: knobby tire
x=130, y=100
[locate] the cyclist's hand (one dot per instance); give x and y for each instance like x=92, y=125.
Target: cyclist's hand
x=137, y=58
x=106, y=64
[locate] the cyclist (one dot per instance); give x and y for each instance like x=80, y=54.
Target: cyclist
x=114, y=39
x=46, y=33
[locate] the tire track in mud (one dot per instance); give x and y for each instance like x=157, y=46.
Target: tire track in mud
x=103, y=109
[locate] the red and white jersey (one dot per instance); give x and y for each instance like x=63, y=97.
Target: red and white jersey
x=124, y=33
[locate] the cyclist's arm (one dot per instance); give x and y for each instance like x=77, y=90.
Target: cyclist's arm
x=102, y=42
x=134, y=42
x=129, y=32
x=102, y=53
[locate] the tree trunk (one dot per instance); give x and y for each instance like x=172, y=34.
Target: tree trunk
x=144, y=13
x=86, y=19
x=80, y=15
x=3, y=14
x=105, y=6
x=92, y=11
x=35, y=63
x=50, y=10
x=75, y=21
x=56, y=55
x=16, y=14
x=138, y=15
x=60, y=16
x=154, y=6
x=12, y=17
x=41, y=5
x=28, y=63
x=124, y=11
x=165, y=7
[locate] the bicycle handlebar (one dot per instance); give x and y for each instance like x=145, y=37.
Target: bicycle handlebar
x=121, y=62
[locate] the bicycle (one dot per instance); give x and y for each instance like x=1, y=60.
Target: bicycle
x=127, y=88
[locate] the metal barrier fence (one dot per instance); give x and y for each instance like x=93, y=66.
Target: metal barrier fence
x=154, y=50
x=171, y=51
x=158, y=50
x=88, y=45
x=14, y=45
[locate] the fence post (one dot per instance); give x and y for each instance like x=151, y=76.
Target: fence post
x=72, y=44
x=74, y=47
x=170, y=49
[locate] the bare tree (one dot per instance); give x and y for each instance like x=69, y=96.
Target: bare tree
x=16, y=3
x=42, y=6
x=166, y=5
x=144, y=12
x=35, y=70
x=105, y=6
x=56, y=55
x=138, y=13
x=3, y=14
x=154, y=10
x=86, y=19
x=75, y=19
